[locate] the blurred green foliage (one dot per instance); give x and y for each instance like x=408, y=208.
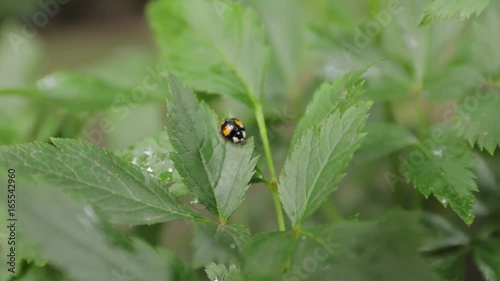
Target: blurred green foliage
x=421, y=177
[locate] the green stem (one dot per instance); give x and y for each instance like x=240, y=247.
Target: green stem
x=279, y=210
x=422, y=122
x=259, y=115
x=273, y=185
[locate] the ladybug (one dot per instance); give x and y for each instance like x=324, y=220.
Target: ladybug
x=233, y=130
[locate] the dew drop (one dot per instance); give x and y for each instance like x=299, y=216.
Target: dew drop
x=444, y=201
x=438, y=152
x=411, y=42
x=148, y=152
x=194, y=201
x=48, y=82
x=149, y=169
x=89, y=211
x=232, y=245
x=170, y=170
x=303, y=237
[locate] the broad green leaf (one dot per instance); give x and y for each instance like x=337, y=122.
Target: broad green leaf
x=212, y=45
x=449, y=265
x=221, y=272
x=266, y=255
x=73, y=239
x=343, y=251
x=451, y=83
x=487, y=258
x=477, y=118
x=121, y=190
x=488, y=181
x=152, y=156
x=440, y=10
x=439, y=233
x=317, y=162
x=339, y=95
x=215, y=170
x=284, y=23
x=484, y=52
x=80, y=92
x=383, y=139
x=135, y=69
x=442, y=166
x=218, y=243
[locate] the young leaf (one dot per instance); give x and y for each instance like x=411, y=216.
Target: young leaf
x=444, y=169
x=218, y=243
x=343, y=251
x=383, y=139
x=221, y=272
x=227, y=53
x=487, y=258
x=215, y=170
x=72, y=238
x=152, y=156
x=440, y=10
x=339, y=95
x=93, y=175
x=317, y=162
x=478, y=117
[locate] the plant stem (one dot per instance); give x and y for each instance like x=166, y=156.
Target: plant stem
x=259, y=114
x=273, y=185
x=422, y=122
x=279, y=210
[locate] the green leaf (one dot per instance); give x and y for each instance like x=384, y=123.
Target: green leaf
x=72, y=238
x=80, y=92
x=487, y=258
x=439, y=234
x=330, y=97
x=284, y=23
x=440, y=10
x=215, y=170
x=227, y=52
x=218, y=243
x=39, y=274
x=152, y=156
x=478, y=115
x=317, y=162
x=450, y=265
x=266, y=255
x=484, y=53
x=383, y=139
x=443, y=168
x=342, y=251
x=221, y=272
x=93, y=175
x=451, y=82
